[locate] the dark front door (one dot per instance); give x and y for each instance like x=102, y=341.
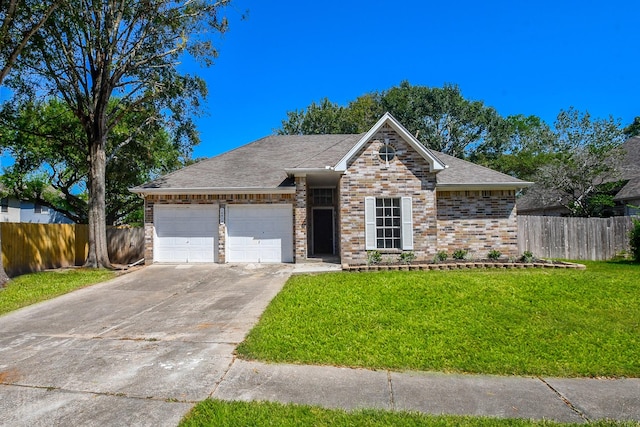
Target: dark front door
x=322, y=231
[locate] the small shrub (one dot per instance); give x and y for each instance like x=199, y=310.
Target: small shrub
x=407, y=257
x=389, y=259
x=494, y=255
x=527, y=256
x=373, y=257
x=634, y=240
x=440, y=256
x=460, y=254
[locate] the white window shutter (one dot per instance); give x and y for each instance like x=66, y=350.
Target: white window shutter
x=407, y=224
x=370, y=222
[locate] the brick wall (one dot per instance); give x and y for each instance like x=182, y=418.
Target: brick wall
x=217, y=199
x=477, y=221
x=367, y=175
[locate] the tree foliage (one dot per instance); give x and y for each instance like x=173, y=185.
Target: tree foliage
x=93, y=51
x=441, y=118
x=519, y=146
x=20, y=20
x=325, y=117
x=48, y=145
x=633, y=129
x=583, y=176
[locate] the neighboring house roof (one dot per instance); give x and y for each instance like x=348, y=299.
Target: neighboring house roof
x=630, y=170
x=268, y=163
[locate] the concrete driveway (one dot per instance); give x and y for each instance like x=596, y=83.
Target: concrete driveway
x=137, y=350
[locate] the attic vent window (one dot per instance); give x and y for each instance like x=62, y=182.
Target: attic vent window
x=387, y=153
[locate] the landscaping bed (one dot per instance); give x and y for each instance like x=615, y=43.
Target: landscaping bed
x=461, y=265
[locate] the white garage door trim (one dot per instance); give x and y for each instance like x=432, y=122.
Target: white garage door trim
x=260, y=233
x=185, y=233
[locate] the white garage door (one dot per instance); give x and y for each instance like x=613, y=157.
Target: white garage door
x=260, y=233
x=185, y=233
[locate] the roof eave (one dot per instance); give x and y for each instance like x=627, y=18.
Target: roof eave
x=310, y=171
x=214, y=190
x=484, y=186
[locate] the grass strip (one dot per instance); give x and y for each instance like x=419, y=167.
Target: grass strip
x=237, y=414
x=35, y=287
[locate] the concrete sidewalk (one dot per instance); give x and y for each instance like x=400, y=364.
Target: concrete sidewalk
x=559, y=399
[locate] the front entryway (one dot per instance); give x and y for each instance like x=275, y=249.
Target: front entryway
x=323, y=232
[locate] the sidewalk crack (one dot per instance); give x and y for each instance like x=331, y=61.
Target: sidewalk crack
x=392, y=402
x=223, y=377
x=566, y=401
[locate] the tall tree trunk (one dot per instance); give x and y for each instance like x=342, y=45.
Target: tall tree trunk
x=98, y=254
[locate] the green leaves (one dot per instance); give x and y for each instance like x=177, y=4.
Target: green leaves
x=49, y=146
x=633, y=129
x=441, y=118
x=583, y=175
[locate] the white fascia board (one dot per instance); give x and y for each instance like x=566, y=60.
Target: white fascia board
x=434, y=163
x=486, y=186
x=233, y=190
x=310, y=171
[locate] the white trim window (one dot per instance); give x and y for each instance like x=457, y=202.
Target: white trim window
x=388, y=223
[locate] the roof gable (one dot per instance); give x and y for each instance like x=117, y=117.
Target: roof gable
x=435, y=164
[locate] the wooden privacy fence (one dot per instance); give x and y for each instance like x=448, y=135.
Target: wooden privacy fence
x=33, y=247
x=574, y=238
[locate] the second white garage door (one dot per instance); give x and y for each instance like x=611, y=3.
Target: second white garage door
x=260, y=233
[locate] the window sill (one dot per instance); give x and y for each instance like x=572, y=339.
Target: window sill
x=389, y=251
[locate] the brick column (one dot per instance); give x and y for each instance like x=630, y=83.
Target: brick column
x=222, y=244
x=300, y=220
x=148, y=232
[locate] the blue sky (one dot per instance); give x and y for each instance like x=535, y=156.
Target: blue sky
x=518, y=57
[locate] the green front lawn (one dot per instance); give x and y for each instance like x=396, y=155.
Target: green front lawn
x=238, y=414
x=35, y=287
x=563, y=323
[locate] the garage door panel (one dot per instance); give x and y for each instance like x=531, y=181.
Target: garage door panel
x=260, y=233
x=185, y=233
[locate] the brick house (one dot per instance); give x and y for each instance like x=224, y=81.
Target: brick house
x=292, y=197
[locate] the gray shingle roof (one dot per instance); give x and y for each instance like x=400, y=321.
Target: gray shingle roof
x=262, y=164
x=461, y=172
x=630, y=170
